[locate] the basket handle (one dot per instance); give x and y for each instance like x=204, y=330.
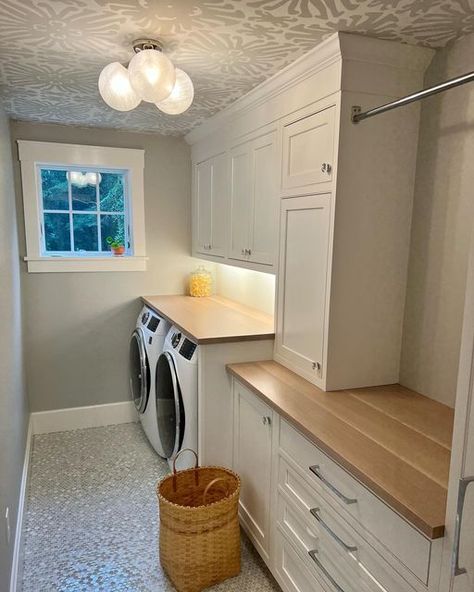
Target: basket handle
x=210, y=484
x=179, y=454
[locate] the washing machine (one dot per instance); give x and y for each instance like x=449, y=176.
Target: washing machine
x=176, y=381
x=146, y=346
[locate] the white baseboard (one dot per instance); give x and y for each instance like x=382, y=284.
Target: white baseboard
x=74, y=418
x=21, y=507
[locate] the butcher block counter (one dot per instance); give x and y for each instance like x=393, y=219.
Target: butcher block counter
x=393, y=440
x=213, y=319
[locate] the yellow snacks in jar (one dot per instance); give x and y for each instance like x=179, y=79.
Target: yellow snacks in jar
x=200, y=282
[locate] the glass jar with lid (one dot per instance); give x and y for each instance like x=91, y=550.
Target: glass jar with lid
x=200, y=282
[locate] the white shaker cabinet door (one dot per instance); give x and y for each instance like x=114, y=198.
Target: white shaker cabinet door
x=203, y=206
x=265, y=203
x=308, y=151
x=240, y=201
x=302, y=284
x=210, y=203
x=458, y=557
x=253, y=421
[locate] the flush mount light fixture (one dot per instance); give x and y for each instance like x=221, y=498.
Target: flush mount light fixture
x=150, y=77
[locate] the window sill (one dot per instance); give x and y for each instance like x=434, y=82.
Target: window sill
x=85, y=264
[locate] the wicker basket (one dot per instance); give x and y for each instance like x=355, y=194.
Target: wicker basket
x=199, y=526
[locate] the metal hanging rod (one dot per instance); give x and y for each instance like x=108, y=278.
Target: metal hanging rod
x=359, y=115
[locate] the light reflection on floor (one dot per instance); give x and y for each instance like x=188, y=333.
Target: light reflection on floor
x=91, y=520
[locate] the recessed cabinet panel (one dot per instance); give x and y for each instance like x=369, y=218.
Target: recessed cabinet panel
x=308, y=151
x=302, y=283
x=220, y=189
x=203, y=206
x=241, y=202
x=265, y=202
x=252, y=461
x=210, y=206
x=291, y=569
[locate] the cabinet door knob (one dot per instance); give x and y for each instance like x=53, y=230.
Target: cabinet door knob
x=266, y=420
x=243, y=251
x=250, y=251
x=326, y=167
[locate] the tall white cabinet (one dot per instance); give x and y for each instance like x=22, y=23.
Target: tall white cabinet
x=325, y=203
x=458, y=569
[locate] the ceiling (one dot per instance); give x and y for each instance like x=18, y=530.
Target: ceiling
x=52, y=51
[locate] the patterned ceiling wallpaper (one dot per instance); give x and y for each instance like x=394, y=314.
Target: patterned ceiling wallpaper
x=52, y=51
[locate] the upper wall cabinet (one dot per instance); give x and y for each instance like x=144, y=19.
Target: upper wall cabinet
x=346, y=191
x=254, y=200
x=308, y=151
x=209, y=207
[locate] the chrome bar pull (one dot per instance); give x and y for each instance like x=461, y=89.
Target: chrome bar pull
x=348, y=548
x=314, y=556
x=463, y=485
x=317, y=471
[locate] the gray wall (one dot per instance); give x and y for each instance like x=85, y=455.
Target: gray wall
x=13, y=403
x=77, y=325
x=442, y=225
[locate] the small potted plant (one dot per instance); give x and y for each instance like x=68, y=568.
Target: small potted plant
x=116, y=246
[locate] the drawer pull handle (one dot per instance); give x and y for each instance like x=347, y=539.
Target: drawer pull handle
x=330, y=531
x=313, y=554
x=317, y=471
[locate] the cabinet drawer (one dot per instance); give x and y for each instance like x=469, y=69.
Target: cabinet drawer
x=308, y=150
x=291, y=570
x=313, y=524
x=408, y=545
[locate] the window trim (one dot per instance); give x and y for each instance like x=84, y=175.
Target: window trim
x=34, y=155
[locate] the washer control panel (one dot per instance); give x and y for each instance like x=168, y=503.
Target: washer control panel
x=153, y=324
x=187, y=349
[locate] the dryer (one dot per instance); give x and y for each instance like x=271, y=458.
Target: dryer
x=146, y=345
x=176, y=381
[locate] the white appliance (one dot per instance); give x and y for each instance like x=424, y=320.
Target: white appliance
x=146, y=345
x=176, y=397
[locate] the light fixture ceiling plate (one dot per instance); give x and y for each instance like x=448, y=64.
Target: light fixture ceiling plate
x=141, y=44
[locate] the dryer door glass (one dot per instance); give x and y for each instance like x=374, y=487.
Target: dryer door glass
x=169, y=406
x=139, y=371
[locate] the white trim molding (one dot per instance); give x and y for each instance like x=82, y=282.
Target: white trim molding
x=21, y=508
x=32, y=154
x=91, y=416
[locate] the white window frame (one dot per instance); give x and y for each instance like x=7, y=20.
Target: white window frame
x=34, y=155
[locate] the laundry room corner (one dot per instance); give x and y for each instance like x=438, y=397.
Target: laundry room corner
x=77, y=325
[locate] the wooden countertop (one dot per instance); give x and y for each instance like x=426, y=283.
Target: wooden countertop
x=214, y=319
x=394, y=440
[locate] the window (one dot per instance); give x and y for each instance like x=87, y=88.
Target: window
x=81, y=209
x=78, y=200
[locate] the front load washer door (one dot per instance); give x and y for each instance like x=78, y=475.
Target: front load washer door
x=169, y=406
x=139, y=371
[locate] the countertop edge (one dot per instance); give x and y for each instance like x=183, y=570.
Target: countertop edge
x=209, y=340
x=429, y=531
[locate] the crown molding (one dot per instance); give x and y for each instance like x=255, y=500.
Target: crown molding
x=336, y=48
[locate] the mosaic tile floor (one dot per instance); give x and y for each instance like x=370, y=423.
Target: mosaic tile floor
x=91, y=520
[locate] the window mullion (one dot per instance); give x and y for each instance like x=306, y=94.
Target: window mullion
x=99, y=229
x=71, y=219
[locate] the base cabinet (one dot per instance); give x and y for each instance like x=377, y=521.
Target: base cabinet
x=308, y=536
x=253, y=421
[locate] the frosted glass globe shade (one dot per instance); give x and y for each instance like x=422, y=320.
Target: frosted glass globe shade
x=152, y=75
x=93, y=178
x=115, y=88
x=77, y=178
x=181, y=96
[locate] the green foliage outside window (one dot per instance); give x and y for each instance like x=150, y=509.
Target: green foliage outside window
x=97, y=212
